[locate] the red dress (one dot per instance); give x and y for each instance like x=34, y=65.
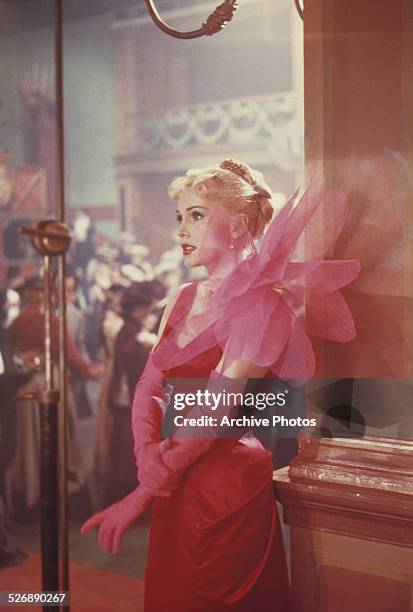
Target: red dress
x=216, y=545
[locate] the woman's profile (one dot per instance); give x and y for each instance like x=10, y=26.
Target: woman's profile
x=215, y=541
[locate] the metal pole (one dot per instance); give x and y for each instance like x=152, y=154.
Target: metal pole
x=60, y=144
x=51, y=238
x=48, y=479
x=63, y=412
x=62, y=433
x=48, y=363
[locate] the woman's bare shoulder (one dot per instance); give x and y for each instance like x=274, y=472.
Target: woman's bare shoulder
x=174, y=295
x=170, y=303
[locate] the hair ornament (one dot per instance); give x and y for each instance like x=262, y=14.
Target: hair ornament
x=237, y=168
x=243, y=172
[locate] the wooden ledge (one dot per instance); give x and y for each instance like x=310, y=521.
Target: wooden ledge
x=361, y=488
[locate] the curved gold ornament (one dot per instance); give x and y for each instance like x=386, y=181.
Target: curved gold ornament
x=214, y=23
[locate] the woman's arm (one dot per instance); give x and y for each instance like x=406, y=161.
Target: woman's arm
x=113, y=521
x=147, y=405
x=161, y=464
x=175, y=456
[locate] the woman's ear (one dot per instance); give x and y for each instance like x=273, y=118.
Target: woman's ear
x=239, y=226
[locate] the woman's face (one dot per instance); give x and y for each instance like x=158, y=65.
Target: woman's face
x=204, y=229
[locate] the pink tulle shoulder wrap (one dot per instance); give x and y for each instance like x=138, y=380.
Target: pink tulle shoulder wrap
x=271, y=303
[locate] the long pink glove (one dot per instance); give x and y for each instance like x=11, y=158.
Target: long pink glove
x=147, y=410
x=166, y=462
x=112, y=522
x=147, y=413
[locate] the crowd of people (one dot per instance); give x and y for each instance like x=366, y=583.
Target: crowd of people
x=115, y=298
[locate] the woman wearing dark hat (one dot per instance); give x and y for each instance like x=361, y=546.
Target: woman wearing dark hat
x=132, y=346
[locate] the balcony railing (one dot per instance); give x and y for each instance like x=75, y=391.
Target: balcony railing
x=269, y=120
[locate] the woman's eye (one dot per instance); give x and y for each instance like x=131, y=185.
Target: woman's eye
x=179, y=218
x=196, y=215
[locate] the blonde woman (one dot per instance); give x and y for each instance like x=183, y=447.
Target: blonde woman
x=215, y=542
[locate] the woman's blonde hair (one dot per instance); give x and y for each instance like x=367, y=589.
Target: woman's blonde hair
x=238, y=188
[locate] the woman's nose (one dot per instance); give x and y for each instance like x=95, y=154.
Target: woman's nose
x=182, y=230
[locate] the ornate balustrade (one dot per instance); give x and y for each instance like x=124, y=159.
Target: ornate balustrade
x=269, y=120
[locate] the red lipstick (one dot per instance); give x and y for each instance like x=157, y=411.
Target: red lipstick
x=187, y=248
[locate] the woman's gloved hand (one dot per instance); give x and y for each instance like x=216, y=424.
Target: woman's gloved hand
x=112, y=522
